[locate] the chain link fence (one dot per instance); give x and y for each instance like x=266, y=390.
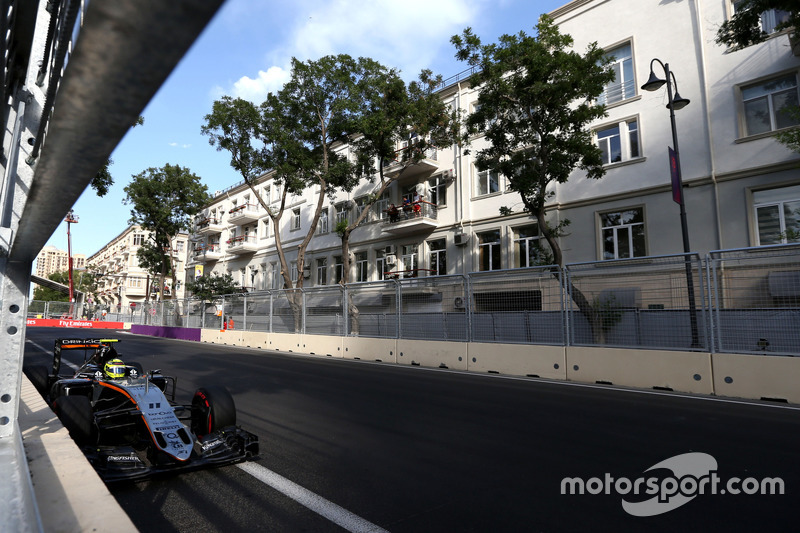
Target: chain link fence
x=742, y=301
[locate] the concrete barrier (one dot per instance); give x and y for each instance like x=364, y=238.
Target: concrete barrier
x=518, y=359
x=370, y=349
x=64, y=483
x=436, y=354
x=255, y=339
x=757, y=376
x=646, y=369
x=321, y=345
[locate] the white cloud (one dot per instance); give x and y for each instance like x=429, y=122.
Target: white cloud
x=255, y=90
x=409, y=34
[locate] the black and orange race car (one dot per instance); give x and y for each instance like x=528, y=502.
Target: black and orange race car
x=126, y=420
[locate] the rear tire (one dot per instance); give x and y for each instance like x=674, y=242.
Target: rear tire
x=75, y=412
x=212, y=410
x=39, y=375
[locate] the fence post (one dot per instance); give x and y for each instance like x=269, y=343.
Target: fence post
x=346, y=309
x=303, y=311
x=244, y=312
x=398, y=308
x=270, y=311
x=468, y=306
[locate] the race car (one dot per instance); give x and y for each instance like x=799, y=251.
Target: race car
x=126, y=420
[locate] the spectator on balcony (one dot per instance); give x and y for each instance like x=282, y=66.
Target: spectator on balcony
x=393, y=213
x=417, y=205
x=406, y=207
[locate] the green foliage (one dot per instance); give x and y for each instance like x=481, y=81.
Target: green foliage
x=608, y=311
x=206, y=288
x=82, y=280
x=744, y=27
x=791, y=137
x=164, y=201
x=103, y=180
x=341, y=227
x=536, y=102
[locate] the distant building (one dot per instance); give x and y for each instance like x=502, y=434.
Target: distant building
x=51, y=260
x=123, y=282
x=742, y=187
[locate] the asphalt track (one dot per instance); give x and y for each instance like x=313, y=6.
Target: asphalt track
x=359, y=446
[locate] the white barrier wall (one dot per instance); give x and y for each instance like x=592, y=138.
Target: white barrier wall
x=518, y=359
x=732, y=375
x=757, y=376
x=648, y=369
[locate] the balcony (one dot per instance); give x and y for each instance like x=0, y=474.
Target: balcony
x=243, y=214
x=210, y=252
x=243, y=244
x=427, y=165
x=207, y=226
x=414, y=218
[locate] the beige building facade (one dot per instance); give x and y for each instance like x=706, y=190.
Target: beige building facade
x=123, y=285
x=741, y=187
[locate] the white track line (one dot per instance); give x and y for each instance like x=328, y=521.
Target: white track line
x=312, y=501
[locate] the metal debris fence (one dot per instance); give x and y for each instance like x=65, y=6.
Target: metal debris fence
x=741, y=301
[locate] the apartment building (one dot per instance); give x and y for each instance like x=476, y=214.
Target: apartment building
x=741, y=187
x=122, y=282
x=51, y=259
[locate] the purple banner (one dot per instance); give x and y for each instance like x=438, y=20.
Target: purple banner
x=187, y=334
x=677, y=192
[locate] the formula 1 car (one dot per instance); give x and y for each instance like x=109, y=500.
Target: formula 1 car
x=130, y=427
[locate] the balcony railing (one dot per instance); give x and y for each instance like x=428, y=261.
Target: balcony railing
x=411, y=218
x=242, y=214
x=242, y=244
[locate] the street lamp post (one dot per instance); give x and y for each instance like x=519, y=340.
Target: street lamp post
x=675, y=101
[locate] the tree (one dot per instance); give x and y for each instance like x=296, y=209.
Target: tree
x=208, y=287
x=294, y=134
x=744, y=27
x=103, y=180
x=535, y=106
x=164, y=201
x=83, y=280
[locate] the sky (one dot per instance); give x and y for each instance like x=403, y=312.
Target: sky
x=246, y=50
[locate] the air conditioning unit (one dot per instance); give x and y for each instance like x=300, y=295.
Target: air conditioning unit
x=448, y=176
x=461, y=239
x=348, y=204
x=391, y=259
x=391, y=249
x=306, y=272
x=458, y=302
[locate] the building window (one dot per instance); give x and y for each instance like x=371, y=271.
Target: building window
x=778, y=215
x=293, y=271
x=361, y=266
x=338, y=269
x=295, y=218
x=623, y=234
x=623, y=86
x=360, y=202
x=438, y=257
x=381, y=206
x=341, y=214
x=323, y=223
x=380, y=265
x=769, y=18
x=489, y=250
x=276, y=276
x=486, y=182
x=322, y=271
x=409, y=260
x=528, y=247
x=437, y=189
x=767, y=104
x=619, y=142
x=264, y=228
x=138, y=239
x=266, y=196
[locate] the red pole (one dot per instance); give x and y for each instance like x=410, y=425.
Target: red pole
x=71, y=218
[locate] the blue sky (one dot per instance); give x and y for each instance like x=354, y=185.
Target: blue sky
x=246, y=51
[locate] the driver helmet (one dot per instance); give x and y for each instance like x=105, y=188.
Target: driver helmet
x=114, y=369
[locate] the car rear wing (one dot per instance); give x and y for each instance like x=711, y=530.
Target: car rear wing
x=76, y=344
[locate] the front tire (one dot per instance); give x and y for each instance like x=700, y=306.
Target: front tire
x=75, y=412
x=212, y=410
